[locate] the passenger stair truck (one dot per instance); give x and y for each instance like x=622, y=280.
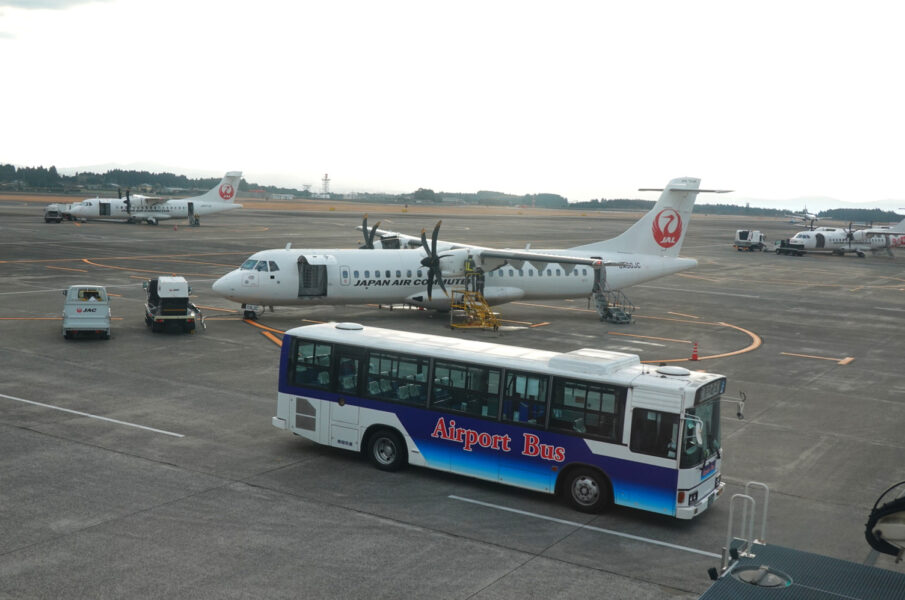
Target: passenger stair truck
x=168, y=307
x=749, y=240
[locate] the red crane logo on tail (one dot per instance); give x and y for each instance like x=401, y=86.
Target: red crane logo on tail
x=227, y=191
x=667, y=228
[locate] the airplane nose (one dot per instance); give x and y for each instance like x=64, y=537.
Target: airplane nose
x=221, y=286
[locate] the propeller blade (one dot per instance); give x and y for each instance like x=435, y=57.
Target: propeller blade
x=364, y=231
x=373, y=231
x=424, y=245
x=430, y=283
x=434, y=238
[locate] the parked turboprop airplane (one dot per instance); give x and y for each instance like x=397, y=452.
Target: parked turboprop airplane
x=136, y=207
x=804, y=217
x=647, y=250
x=838, y=240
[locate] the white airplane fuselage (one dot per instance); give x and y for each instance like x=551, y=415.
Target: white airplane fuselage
x=143, y=210
x=839, y=241
x=397, y=276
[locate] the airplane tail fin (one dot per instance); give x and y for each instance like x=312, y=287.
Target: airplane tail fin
x=662, y=230
x=226, y=190
x=898, y=227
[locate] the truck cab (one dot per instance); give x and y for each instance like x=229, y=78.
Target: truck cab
x=53, y=213
x=168, y=307
x=86, y=310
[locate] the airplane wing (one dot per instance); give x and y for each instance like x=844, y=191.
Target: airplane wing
x=490, y=258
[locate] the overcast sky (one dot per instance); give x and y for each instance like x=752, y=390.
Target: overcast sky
x=776, y=100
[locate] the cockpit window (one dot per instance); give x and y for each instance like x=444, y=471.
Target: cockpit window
x=261, y=266
x=273, y=266
x=249, y=264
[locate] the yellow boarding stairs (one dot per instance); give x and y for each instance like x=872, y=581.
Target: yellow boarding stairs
x=468, y=308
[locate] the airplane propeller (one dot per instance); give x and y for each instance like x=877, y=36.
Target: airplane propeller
x=849, y=234
x=432, y=260
x=369, y=237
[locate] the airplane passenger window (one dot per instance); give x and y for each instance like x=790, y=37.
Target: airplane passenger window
x=398, y=274
x=408, y=273
x=367, y=274
x=512, y=272
x=419, y=272
x=521, y=273
x=549, y=272
x=530, y=273
x=355, y=273
x=273, y=267
x=388, y=274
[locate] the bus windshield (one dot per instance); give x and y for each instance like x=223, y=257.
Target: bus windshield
x=694, y=453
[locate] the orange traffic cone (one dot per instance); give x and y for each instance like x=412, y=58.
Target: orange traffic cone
x=694, y=351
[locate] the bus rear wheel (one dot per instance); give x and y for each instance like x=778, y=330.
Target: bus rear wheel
x=587, y=490
x=386, y=450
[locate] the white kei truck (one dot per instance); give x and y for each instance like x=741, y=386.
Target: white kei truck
x=86, y=311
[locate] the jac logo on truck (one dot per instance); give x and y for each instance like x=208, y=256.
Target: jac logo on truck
x=667, y=228
x=227, y=191
x=81, y=310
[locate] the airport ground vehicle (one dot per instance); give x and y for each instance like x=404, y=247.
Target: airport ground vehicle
x=53, y=213
x=168, y=307
x=86, y=310
x=786, y=247
x=749, y=240
x=596, y=427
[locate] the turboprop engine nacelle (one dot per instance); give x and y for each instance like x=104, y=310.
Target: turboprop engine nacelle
x=452, y=262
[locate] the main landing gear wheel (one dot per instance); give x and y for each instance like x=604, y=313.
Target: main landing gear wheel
x=386, y=450
x=587, y=490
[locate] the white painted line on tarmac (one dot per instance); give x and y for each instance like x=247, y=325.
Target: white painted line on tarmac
x=90, y=416
x=672, y=289
x=588, y=527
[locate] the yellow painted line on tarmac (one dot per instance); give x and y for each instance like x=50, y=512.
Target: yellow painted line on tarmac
x=46, y=318
x=264, y=327
x=648, y=337
x=528, y=323
x=555, y=307
x=272, y=338
x=539, y=324
x=66, y=269
x=699, y=277
x=103, y=266
x=840, y=361
x=683, y=315
x=756, y=343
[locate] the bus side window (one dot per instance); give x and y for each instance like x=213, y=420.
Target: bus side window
x=310, y=365
x=525, y=398
x=654, y=432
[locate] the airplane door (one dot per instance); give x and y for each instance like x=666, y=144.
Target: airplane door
x=821, y=241
x=104, y=209
x=345, y=275
x=191, y=209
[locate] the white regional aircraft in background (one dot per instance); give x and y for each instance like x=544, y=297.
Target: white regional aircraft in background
x=803, y=216
x=839, y=241
x=153, y=210
x=647, y=250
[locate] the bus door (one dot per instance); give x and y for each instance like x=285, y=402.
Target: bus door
x=534, y=461
x=348, y=365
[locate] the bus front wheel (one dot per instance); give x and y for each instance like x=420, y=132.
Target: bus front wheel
x=587, y=490
x=386, y=450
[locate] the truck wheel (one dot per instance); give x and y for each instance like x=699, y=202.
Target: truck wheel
x=66, y=334
x=107, y=335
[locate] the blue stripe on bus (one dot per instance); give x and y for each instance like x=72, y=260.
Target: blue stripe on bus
x=635, y=484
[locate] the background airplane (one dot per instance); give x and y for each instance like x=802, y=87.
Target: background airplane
x=838, y=240
x=135, y=207
x=803, y=217
x=405, y=270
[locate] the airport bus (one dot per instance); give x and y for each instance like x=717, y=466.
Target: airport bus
x=594, y=426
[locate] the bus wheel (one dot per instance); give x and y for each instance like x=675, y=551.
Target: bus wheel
x=587, y=490
x=386, y=450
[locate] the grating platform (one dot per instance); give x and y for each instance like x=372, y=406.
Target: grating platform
x=810, y=577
